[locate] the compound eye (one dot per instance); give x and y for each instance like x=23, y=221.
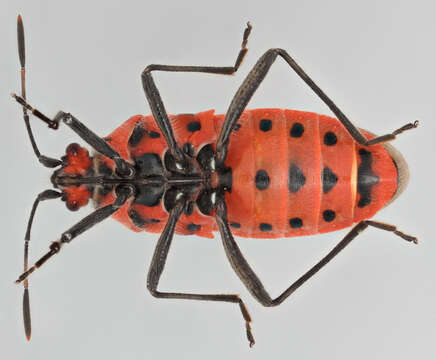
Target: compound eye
x=73, y=149
x=72, y=205
x=76, y=196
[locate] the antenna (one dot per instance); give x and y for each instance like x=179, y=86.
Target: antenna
x=46, y=161
x=22, y=55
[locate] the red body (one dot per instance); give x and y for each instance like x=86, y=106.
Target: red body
x=273, y=140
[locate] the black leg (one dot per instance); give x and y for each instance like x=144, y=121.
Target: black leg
x=250, y=279
x=252, y=82
x=45, y=195
x=158, y=263
x=392, y=228
x=123, y=193
x=123, y=167
x=155, y=101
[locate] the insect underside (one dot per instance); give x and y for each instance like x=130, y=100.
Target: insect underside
x=199, y=173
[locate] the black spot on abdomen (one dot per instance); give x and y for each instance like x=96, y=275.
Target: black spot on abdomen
x=329, y=215
x=261, y=180
x=265, y=125
x=366, y=178
x=265, y=227
x=296, y=223
x=296, y=178
x=330, y=138
x=329, y=180
x=297, y=130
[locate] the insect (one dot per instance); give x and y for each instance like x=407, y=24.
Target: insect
x=264, y=173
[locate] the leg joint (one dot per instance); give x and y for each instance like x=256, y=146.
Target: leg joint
x=152, y=288
x=153, y=292
x=149, y=68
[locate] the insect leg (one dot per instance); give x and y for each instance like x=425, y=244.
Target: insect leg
x=252, y=82
x=123, y=167
x=344, y=242
x=237, y=260
x=392, y=228
x=123, y=193
x=158, y=263
x=155, y=101
x=250, y=279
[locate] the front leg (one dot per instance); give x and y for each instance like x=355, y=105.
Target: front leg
x=158, y=263
x=123, y=193
x=122, y=166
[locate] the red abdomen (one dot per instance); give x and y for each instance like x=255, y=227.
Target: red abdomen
x=298, y=173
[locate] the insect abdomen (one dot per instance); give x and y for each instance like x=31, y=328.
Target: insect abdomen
x=297, y=173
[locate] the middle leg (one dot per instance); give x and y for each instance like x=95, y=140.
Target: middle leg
x=156, y=104
x=123, y=193
x=158, y=263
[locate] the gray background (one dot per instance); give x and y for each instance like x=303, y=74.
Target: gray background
x=376, y=59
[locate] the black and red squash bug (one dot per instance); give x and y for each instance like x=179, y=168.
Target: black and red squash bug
x=263, y=173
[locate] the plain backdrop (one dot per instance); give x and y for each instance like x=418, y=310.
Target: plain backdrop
x=376, y=59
